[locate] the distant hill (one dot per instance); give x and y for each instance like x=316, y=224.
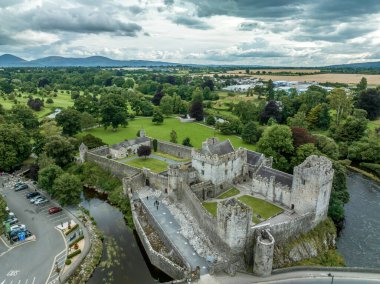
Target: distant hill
x=8, y=60
x=357, y=65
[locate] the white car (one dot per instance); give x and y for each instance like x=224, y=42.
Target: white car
x=18, y=227
x=41, y=201
x=33, y=200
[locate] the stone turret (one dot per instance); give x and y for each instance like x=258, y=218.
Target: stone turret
x=174, y=177
x=234, y=219
x=311, y=189
x=263, y=255
x=83, y=149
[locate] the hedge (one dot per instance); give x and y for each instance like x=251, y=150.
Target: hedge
x=72, y=229
x=76, y=241
x=71, y=255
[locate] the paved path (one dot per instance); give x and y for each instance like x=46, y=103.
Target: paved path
x=172, y=229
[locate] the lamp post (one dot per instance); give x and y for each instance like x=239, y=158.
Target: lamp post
x=332, y=277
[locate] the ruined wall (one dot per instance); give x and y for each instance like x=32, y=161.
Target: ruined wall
x=134, y=183
x=206, y=221
x=271, y=190
x=156, y=181
x=101, y=151
x=173, y=149
x=116, y=168
x=263, y=259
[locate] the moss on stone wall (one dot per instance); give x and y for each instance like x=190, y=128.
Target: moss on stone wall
x=316, y=247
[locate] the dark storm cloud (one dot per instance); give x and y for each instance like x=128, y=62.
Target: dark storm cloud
x=5, y=39
x=79, y=21
x=190, y=22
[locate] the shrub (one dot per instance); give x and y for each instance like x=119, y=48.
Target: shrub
x=76, y=241
x=75, y=253
x=68, y=261
x=72, y=229
x=155, y=144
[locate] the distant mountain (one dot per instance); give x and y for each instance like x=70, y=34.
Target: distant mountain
x=357, y=65
x=8, y=60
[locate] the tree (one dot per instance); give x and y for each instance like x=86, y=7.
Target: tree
x=113, y=110
x=155, y=145
x=277, y=141
x=313, y=116
x=70, y=120
x=35, y=104
x=47, y=175
x=301, y=136
x=327, y=146
x=270, y=90
x=196, y=110
x=341, y=103
x=129, y=83
x=49, y=128
x=173, y=136
x=61, y=150
x=353, y=128
x=15, y=146
x=87, y=121
x=67, y=188
x=298, y=120
x=369, y=100
x=210, y=120
x=270, y=110
x=25, y=116
x=366, y=149
x=166, y=105
x=186, y=142
x=324, y=117
x=156, y=100
x=249, y=133
x=157, y=118
x=144, y=150
x=303, y=152
x=362, y=84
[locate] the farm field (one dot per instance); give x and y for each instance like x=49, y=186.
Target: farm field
x=195, y=131
x=311, y=71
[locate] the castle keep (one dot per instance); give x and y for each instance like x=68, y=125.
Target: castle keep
x=268, y=206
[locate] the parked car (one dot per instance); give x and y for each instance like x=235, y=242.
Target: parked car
x=21, y=187
x=41, y=201
x=18, y=227
x=11, y=221
x=54, y=210
x=30, y=195
x=15, y=237
x=34, y=199
x=17, y=184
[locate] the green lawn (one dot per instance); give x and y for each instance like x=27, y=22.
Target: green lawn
x=372, y=125
x=170, y=157
x=229, y=193
x=63, y=100
x=195, y=131
x=261, y=207
x=155, y=165
x=210, y=207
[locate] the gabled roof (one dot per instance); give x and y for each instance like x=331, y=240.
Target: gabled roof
x=280, y=177
x=253, y=157
x=221, y=148
x=129, y=143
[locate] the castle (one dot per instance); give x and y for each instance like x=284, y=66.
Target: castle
x=237, y=231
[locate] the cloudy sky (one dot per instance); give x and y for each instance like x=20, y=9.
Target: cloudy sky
x=262, y=32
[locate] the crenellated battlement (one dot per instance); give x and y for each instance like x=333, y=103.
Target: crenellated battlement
x=219, y=159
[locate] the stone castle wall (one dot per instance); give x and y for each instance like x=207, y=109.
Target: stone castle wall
x=116, y=168
x=156, y=181
x=101, y=151
x=173, y=149
x=271, y=190
x=134, y=183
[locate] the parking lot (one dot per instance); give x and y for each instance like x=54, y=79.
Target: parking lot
x=34, y=261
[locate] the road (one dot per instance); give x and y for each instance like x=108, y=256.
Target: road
x=32, y=262
x=308, y=277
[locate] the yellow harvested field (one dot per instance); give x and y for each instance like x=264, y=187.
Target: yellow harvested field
x=311, y=71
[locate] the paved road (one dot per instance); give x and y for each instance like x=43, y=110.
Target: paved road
x=172, y=229
x=32, y=262
x=308, y=277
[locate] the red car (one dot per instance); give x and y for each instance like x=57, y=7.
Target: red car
x=54, y=210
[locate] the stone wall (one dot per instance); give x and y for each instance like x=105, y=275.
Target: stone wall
x=156, y=258
x=173, y=149
x=101, y=151
x=156, y=181
x=134, y=183
x=116, y=168
x=271, y=190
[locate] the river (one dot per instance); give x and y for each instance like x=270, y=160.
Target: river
x=359, y=241
x=123, y=260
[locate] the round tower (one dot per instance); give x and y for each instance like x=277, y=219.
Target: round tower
x=263, y=254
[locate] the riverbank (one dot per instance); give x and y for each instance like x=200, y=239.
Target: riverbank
x=364, y=173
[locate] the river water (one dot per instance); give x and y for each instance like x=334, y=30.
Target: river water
x=123, y=260
x=359, y=241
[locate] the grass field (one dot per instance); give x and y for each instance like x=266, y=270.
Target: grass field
x=261, y=207
x=229, y=193
x=155, y=165
x=372, y=125
x=63, y=100
x=210, y=207
x=311, y=71
x=167, y=156
x=195, y=131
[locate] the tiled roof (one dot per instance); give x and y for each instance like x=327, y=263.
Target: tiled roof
x=253, y=157
x=221, y=148
x=280, y=177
